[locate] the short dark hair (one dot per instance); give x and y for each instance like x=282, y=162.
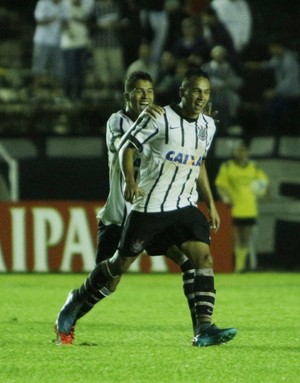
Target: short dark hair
x=133, y=77
x=194, y=72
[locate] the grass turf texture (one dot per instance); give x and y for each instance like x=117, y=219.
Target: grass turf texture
x=142, y=333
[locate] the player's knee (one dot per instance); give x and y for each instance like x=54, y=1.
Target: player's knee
x=204, y=261
x=120, y=264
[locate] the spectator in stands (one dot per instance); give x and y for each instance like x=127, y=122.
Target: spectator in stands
x=167, y=66
x=47, y=60
x=131, y=35
x=75, y=44
x=236, y=16
x=215, y=33
x=155, y=25
x=107, y=52
x=167, y=91
x=225, y=87
x=191, y=40
x=144, y=62
x=195, y=7
x=282, y=100
x=240, y=182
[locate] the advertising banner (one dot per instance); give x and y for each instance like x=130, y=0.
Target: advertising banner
x=60, y=236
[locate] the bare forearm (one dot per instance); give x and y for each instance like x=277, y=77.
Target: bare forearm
x=204, y=187
x=207, y=197
x=126, y=156
x=126, y=162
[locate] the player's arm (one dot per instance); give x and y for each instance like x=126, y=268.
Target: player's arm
x=152, y=111
x=126, y=157
x=206, y=194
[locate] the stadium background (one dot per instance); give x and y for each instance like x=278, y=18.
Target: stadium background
x=43, y=164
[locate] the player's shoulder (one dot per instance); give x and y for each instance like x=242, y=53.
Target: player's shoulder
x=117, y=115
x=207, y=119
x=119, y=119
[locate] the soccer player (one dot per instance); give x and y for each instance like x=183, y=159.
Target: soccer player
x=139, y=97
x=173, y=148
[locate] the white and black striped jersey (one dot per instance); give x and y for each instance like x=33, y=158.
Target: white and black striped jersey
x=115, y=209
x=171, y=148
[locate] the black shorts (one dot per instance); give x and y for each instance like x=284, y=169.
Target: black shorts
x=244, y=221
x=159, y=244
x=176, y=227
x=108, y=238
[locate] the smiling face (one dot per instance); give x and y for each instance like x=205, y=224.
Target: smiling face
x=139, y=97
x=194, y=94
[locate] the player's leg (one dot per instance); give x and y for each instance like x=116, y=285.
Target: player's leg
x=203, y=287
x=193, y=233
x=77, y=306
x=94, y=287
x=205, y=293
x=162, y=244
x=187, y=272
x=107, y=242
x=133, y=239
x=91, y=291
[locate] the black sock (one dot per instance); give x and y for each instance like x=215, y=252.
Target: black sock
x=91, y=301
x=188, y=272
x=204, y=296
x=93, y=289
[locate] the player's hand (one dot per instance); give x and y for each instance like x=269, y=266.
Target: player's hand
x=154, y=111
x=132, y=191
x=215, y=220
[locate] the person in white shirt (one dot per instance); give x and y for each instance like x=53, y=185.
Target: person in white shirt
x=236, y=15
x=75, y=42
x=173, y=149
x=47, y=59
x=139, y=97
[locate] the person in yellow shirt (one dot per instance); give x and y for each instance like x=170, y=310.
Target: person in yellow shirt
x=240, y=182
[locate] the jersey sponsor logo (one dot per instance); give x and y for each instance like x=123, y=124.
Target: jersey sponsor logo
x=174, y=127
x=183, y=158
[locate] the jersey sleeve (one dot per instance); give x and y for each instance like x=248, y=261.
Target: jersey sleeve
x=144, y=132
x=115, y=128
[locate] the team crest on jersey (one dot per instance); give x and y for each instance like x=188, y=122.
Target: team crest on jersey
x=202, y=132
x=183, y=158
x=137, y=246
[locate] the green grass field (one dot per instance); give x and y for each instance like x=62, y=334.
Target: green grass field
x=142, y=333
